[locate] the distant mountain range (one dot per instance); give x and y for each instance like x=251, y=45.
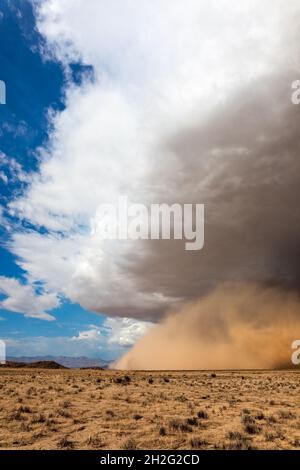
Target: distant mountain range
x=66, y=361
x=32, y=365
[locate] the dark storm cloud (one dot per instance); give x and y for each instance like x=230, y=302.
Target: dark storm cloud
x=243, y=163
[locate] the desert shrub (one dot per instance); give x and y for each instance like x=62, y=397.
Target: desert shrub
x=129, y=444
x=123, y=380
x=238, y=442
x=65, y=404
x=270, y=436
x=252, y=428
x=192, y=421
x=196, y=443
x=50, y=423
x=202, y=414
x=64, y=413
x=24, y=409
x=110, y=413
x=94, y=441
x=234, y=435
x=38, y=418
x=247, y=419
x=15, y=416
x=65, y=443
x=178, y=425
x=182, y=398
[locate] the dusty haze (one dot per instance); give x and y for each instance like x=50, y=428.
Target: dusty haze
x=236, y=327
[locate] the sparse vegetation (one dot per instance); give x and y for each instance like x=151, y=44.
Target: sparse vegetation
x=202, y=414
x=81, y=409
x=197, y=443
x=129, y=444
x=251, y=428
x=178, y=425
x=65, y=443
x=237, y=441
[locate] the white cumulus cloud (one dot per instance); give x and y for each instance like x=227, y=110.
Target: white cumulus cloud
x=162, y=69
x=21, y=298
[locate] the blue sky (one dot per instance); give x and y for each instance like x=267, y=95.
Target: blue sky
x=159, y=102
x=34, y=85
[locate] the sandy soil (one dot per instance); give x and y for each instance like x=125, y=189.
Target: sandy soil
x=85, y=409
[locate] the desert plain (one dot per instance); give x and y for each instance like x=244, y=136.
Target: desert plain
x=106, y=409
